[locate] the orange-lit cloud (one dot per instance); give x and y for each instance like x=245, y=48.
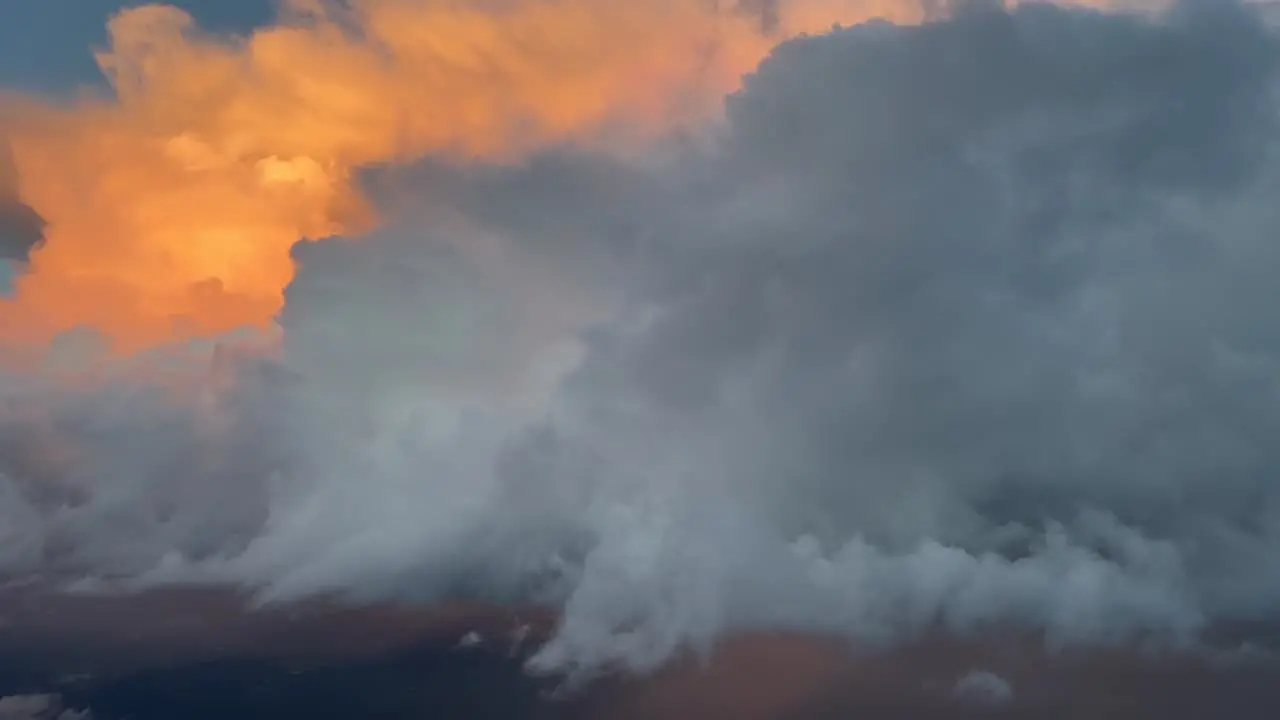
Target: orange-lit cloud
x=172, y=204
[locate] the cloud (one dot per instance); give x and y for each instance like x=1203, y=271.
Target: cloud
x=180, y=192
x=956, y=301
x=984, y=688
x=958, y=325
x=1019, y=224
x=38, y=707
x=21, y=228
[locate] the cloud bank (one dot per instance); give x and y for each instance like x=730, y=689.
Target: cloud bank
x=961, y=324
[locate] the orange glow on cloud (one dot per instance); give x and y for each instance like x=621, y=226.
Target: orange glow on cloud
x=172, y=204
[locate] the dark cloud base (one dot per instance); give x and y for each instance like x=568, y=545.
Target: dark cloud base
x=193, y=655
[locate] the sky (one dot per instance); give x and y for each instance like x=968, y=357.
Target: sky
x=46, y=45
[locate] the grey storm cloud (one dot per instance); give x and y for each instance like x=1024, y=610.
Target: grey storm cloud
x=1023, y=258
x=963, y=323
x=962, y=282
x=21, y=228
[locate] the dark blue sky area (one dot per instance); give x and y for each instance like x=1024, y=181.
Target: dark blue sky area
x=46, y=45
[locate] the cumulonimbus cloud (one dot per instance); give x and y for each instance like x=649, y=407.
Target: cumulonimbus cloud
x=960, y=324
